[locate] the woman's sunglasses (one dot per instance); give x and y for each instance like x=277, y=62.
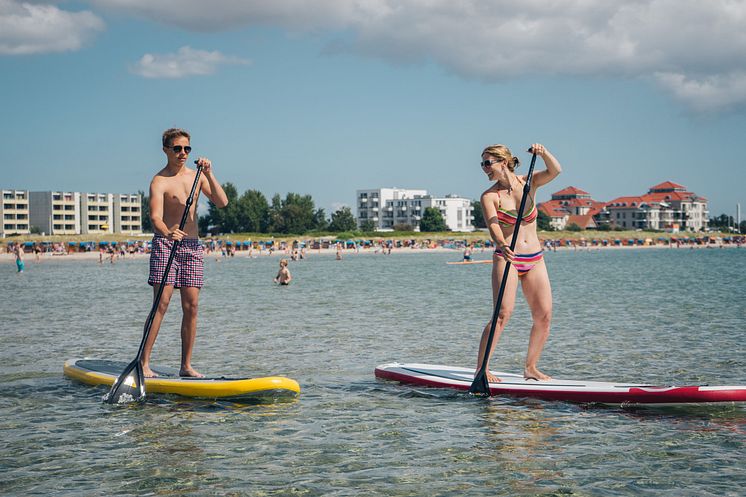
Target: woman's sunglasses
x=177, y=149
x=489, y=162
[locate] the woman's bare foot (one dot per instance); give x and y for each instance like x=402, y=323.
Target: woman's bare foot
x=190, y=373
x=491, y=378
x=533, y=373
x=149, y=373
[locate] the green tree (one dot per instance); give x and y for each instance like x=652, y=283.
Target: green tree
x=296, y=214
x=319, y=220
x=367, y=226
x=253, y=212
x=225, y=220
x=147, y=225
x=478, y=213
x=543, y=221
x=343, y=220
x=432, y=220
x=574, y=227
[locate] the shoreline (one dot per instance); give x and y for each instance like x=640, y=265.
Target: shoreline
x=345, y=252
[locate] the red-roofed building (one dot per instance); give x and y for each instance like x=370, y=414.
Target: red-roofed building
x=572, y=205
x=667, y=206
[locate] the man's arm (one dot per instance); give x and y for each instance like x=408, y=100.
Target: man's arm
x=156, y=213
x=210, y=186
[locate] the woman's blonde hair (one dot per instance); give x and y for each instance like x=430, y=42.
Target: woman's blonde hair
x=283, y=262
x=502, y=152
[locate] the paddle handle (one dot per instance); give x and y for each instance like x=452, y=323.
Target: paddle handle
x=480, y=384
x=171, y=256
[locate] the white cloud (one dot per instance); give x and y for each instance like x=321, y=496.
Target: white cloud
x=704, y=42
x=31, y=28
x=184, y=63
x=709, y=93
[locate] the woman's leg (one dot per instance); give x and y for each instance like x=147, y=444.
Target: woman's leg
x=506, y=309
x=538, y=291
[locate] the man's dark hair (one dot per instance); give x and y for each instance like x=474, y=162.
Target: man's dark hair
x=170, y=134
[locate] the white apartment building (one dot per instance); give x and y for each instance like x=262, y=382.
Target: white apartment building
x=96, y=213
x=14, y=211
x=55, y=213
x=127, y=214
x=389, y=207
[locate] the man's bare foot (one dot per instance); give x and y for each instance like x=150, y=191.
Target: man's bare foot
x=190, y=373
x=535, y=374
x=149, y=373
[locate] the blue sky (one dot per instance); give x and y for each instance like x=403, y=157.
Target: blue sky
x=330, y=96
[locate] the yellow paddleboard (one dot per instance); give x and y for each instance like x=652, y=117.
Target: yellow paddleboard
x=103, y=372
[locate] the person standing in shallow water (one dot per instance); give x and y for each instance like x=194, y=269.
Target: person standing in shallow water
x=500, y=204
x=283, y=275
x=169, y=191
x=18, y=251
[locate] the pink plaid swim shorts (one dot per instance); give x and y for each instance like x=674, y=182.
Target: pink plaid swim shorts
x=187, y=270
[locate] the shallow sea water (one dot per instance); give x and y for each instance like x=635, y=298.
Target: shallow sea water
x=646, y=315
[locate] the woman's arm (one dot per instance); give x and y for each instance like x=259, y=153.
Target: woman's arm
x=489, y=203
x=553, y=166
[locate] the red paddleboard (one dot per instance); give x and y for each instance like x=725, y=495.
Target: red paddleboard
x=600, y=392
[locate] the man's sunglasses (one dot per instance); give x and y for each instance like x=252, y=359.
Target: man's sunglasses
x=177, y=149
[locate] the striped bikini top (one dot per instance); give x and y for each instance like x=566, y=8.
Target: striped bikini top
x=509, y=218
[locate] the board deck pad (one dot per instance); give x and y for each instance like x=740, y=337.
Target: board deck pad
x=560, y=389
x=105, y=372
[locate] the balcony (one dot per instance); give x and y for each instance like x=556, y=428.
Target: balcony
x=363, y=200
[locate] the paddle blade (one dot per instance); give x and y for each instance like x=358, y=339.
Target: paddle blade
x=129, y=387
x=480, y=385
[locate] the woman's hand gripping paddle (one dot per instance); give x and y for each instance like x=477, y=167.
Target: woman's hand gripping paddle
x=130, y=385
x=480, y=385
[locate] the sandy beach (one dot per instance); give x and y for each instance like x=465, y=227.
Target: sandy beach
x=478, y=253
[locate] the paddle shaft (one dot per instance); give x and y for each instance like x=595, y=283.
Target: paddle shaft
x=479, y=377
x=171, y=255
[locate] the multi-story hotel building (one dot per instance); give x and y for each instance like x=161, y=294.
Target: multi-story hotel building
x=14, y=211
x=667, y=206
x=127, y=214
x=389, y=207
x=70, y=213
x=96, y=213
x=55, y=213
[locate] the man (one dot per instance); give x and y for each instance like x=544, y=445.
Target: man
x=18, y=251
x=169, y=191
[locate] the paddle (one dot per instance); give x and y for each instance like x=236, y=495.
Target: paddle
x=480, y=385
x=130, y=385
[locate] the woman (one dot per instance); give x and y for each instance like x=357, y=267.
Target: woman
x=500, y=204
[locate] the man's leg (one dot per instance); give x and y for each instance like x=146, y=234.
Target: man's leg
x=168, y=290
x=189, y=305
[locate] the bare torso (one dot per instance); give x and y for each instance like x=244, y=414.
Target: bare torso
x=175, y=189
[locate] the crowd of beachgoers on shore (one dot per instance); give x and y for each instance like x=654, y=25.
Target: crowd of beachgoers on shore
x=298, y=248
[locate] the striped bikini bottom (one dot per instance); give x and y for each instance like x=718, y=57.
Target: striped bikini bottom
x=524, y=262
